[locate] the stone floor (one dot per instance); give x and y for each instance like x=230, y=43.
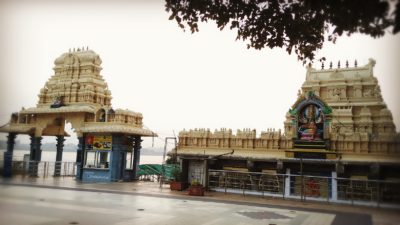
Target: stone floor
x=25, y=200
x=29, y=205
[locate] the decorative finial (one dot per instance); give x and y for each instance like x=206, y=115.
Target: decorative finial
x=347, y=64
x=322, y=66
x=355, y=63
x=338, y=64
x=330, y=65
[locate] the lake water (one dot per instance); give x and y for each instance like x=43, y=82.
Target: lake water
x=71, y=157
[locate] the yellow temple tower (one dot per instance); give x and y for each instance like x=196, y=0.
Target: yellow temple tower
x=78, y=94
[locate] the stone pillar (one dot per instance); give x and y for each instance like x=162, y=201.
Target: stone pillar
x=36, y=150
x=334, y=186
x=118, y=157
x=136, y=156
x=60, y=144
x=35, y=155
x=79, y=157
x=287, y=183
x=7, y=167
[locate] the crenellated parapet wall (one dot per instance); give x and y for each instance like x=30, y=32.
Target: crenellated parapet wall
x=270, y=139
x=364, y=142
x=361, y=142
x=224, y=138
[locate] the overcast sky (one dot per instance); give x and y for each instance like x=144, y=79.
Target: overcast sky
x=175, y=79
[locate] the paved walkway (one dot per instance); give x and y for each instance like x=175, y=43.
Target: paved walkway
x=345, y=214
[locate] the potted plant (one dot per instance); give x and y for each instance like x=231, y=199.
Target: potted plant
x=176, y=184
x=196, y=188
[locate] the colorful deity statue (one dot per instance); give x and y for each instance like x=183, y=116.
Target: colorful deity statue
x=310, y=123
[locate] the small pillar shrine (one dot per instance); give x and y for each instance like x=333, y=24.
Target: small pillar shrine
x=109, y=139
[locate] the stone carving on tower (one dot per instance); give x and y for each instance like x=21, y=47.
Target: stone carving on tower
x=76, y=93
x=361, y=120
x=76, y=81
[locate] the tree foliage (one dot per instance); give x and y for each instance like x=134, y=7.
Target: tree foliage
x=299, y=26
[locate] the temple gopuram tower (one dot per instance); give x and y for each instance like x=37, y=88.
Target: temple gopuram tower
x=339, y=126
x=109, y=139
x=360, y=120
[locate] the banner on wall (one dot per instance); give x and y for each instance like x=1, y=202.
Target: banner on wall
x=102, y=142
x=98, y=142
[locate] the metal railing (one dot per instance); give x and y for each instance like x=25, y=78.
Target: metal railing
x=43, y=169
x=311, y=187
x=304, y=187
x=246, y=182
x=368, y=190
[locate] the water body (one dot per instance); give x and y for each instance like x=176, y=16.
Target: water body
x=70, y=156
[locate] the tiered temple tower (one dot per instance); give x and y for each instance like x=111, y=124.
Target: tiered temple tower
x=361, y=121
x=76, y=81
x=78, y=94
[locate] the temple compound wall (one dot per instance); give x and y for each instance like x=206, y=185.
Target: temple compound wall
x=338, y=123
x=109, y=139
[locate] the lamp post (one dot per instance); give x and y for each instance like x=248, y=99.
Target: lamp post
x=163, y=162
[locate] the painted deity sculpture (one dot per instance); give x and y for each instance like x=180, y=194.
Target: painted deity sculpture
x=310, y=123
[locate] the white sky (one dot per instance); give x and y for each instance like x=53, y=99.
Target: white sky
x=176, y=79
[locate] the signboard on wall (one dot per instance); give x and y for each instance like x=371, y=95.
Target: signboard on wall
x=102, y=142
x=98, y=142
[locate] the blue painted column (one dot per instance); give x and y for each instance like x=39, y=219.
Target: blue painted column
x=117, y=159
x=35, y=155
x=7, y=167
x=60, y=144
x=136, y=156
x=80, y=152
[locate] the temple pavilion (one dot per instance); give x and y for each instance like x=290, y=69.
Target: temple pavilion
x=109, y=139
x=339, y=126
